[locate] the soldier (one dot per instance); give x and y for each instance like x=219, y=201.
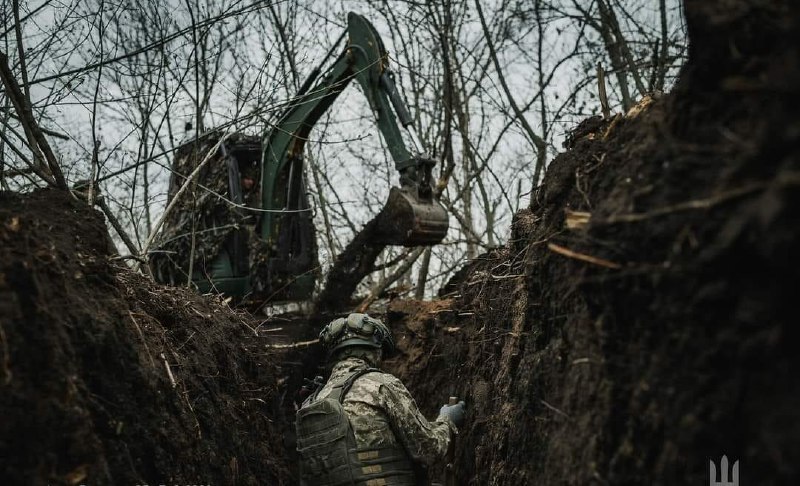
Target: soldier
x=363, y=427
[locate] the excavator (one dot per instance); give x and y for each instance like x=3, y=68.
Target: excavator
x=247, y=228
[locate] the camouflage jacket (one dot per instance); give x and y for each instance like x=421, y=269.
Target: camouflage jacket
x=382, y=413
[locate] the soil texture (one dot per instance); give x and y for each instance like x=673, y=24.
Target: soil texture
x=641, y=321
x=107, y=378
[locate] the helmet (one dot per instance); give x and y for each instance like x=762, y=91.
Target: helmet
x=356, y=330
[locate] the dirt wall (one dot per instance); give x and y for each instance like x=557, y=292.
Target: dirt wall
x=640, y=322
x=106, y=378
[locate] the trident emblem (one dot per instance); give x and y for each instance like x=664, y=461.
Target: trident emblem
x=723, y=480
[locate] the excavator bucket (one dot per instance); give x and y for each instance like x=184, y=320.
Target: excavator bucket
x=408, y=220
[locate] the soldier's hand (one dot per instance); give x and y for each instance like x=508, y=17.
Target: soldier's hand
x=456, y=412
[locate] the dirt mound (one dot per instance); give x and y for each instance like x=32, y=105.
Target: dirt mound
x=106, y=378
x=640, y=322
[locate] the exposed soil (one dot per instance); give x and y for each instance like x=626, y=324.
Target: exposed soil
x=636, y=347
x=637, y=324
x=106, y=378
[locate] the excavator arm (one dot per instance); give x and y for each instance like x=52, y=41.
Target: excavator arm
x=412, y=215
x=263, y=247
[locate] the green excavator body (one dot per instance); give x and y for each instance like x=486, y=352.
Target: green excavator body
x=263, y=242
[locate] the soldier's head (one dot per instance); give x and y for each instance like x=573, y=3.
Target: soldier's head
x=359, y=336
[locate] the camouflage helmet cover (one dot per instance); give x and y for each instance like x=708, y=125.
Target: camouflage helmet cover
x=356, y=330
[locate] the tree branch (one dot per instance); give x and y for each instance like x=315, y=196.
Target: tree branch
x=36, y=138
x=536, y=141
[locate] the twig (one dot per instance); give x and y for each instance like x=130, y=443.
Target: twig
x=299, y=344
x=394, y=261
x=505, y=277
x=564, y=414
x=46, y=131
x=169, y=371
x=622, y=45
x=6, y=362
x=191, y=408
x=786, y=179
x=17, y=172
x=141, y=336
x=193, y=241
x=198, y=129
x=32, y=166
x=21, y=51
x=101, y=203
x=422, y=277
x=184, y=343
x=26, y=17
x=582, y=256
x=3, y=122
x=601, y=89
x=95, y=141
x=157, y=44
x=127, y=257
x=538, y=143
x=576, y=219
x=36, y=138
x=90, y=194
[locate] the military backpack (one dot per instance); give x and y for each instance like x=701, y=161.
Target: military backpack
x=327, y=446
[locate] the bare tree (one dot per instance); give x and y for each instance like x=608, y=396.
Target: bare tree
x=493, y=85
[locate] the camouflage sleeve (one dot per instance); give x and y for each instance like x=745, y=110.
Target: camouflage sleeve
x=425, y=441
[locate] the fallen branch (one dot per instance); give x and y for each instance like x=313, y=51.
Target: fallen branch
x=299, y=344
x=169, y=371
x=582, y=256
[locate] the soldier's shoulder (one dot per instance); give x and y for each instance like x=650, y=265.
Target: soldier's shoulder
x=366, y=387
x=376, y=379
x=381, y=380
x=376, y=376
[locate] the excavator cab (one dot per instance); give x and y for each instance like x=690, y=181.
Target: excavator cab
x=211, y=239
x=259, y=220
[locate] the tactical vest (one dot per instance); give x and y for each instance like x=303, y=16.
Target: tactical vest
x=327, y=447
